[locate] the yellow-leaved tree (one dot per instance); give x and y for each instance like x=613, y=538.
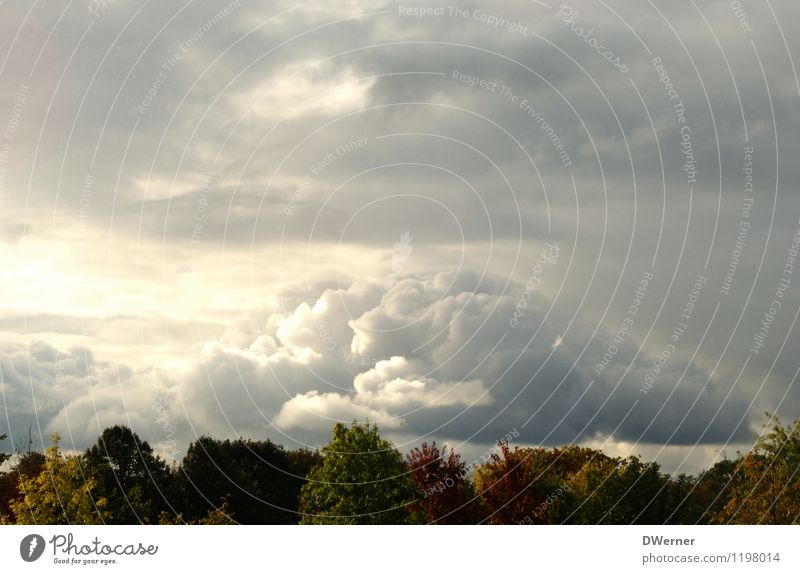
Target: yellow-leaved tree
x=766, y=484
x=60, y=493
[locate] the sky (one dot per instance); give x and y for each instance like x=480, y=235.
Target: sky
x=574, y=223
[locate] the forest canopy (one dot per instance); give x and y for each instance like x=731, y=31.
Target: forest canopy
x=360, y=477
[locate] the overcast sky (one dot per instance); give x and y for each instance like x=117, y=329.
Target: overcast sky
x=245, y=218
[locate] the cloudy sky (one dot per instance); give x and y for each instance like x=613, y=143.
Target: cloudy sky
x=577, y=220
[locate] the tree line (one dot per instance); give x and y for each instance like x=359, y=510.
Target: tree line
x=362, y=478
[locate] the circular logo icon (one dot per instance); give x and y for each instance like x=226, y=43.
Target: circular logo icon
x=31, y=547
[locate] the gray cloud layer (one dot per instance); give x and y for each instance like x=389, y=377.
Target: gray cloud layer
x=282, y=216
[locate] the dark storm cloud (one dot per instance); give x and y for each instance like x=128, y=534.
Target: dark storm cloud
x=177, y=126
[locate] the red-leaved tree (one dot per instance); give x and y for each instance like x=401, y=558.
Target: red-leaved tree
x=514, y=485
x=443, y=492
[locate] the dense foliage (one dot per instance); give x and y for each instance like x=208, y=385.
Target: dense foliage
x=259, y=480
x=443, y=493
x=135, y=483
x=361, y=478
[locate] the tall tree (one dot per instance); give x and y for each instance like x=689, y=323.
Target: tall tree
x=619, y=491
x=514, y=485
x=259, y=480
x=443, y=493
x=362, y=480
x=136, y=482
x=697, y=500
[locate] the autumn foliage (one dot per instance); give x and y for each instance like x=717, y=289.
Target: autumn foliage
x=361, y=478
x=443, y=493
x=765, y=482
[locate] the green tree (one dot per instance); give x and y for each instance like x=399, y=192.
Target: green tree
x=713, y=489
x=135, y=482
x=681, y=502
x=362, y=480
x=60, y=494
x=619, y=491
x=29, y=463
x=259, y=480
